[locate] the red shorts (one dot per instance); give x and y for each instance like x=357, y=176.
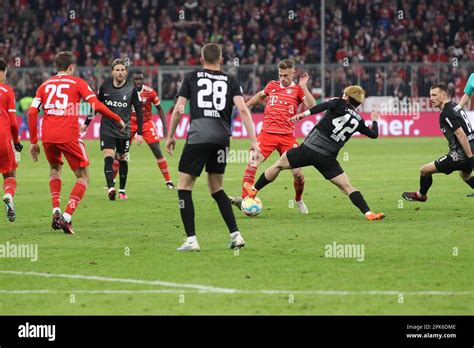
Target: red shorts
x=74, y=151
x=149, y=131
x=270, y=142
x=7, y=158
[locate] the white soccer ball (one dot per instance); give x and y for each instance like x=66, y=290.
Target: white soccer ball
x=251, y=206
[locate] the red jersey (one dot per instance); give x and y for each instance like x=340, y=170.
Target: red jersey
x=60, y=97
x=147, y=97
x=282, y=104
x=8, y=124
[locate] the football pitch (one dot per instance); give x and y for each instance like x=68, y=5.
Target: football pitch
x=123, y=258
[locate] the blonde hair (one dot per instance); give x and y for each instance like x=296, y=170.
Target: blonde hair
x=356, y=94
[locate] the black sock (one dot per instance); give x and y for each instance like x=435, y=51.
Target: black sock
x=359, y=201
x=425, y=184
x=186, y=208
x=123, y=172
x=226, y=210
x=470, y=182
x=109, y=171
x=261, y=182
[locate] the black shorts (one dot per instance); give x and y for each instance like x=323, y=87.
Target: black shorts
x=196, y=156
x=450, y=163
x=303, y=156
x=119, y=145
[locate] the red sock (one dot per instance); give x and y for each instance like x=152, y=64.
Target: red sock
x=116, y=167
x=164, y=168
x=55, y=188
x=9, y=185
x=249, y=176
x=77, y=193
x=299, y=187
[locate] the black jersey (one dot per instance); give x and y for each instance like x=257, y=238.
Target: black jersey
x=451, y=118
x=336, y=127
x=120, y=101
x=210, y=94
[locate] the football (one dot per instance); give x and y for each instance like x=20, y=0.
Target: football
x=251, y=206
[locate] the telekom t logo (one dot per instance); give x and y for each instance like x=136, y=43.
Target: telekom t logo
x=273, y=99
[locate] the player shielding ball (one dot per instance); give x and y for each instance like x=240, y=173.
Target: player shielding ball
x=323, y=143
x=457, y=129
x=8, y=137
x=60, y=98
x=212, y=94
x=148, y=96
x=283, y=98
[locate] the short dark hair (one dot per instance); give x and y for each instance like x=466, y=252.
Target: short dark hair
x=212, y=53
x=64, y=59
x=286, y=64
x=138, y=72
x=441, y=86
x=119, y=61
x=3, y=65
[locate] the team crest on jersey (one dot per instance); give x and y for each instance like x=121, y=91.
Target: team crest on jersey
x=289, y=91
x=144, y=100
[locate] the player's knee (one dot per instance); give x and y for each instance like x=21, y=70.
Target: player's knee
x=298, y=175
x=123, y=157
x=425, y=170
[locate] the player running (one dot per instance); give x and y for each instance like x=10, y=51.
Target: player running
x=150, y=134
x=283, y=99
x=8, y=135
x=457, y=129
x=60, y=98
x=119, y=95
x=323, y=143
x=212, y=94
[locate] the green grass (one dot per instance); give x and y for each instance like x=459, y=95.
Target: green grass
x=410, y=251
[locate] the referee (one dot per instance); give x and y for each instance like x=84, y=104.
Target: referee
x=212, y=95
x=118, y=94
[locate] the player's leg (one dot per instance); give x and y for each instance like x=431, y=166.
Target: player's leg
x=298, y=183
x=54, y=157
x=466, y=176
x=426, y=178
x=270, y=175
x=343, y=183
x=267, y=145
x=215, y=181
x=123, y=148
x=78, y=160
x=162, y=164
x=9, y=188
x=190, y=166
x=107, y=145
x=8, y=166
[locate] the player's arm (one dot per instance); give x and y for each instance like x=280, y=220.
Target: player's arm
x=462, y=138
x=468, y=91
x=257, y=98
x=308, y=100
x=90, y=117
x=373, y=132
x=137, y=105
x=33, y=123
x=91, y=98
x=13, y=123
x=178, y=111
x=246, y=118
x=162, y=115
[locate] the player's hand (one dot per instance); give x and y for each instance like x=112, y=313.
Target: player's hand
x=138, y=139
x=18, y=147
x=170, y=145
x=123, y=126
x=83, y=128
x=375, y=115
x=304, y=79
x=34, y=151
x=296, y=118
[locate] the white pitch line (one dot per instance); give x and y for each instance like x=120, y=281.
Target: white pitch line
x=208, y=289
